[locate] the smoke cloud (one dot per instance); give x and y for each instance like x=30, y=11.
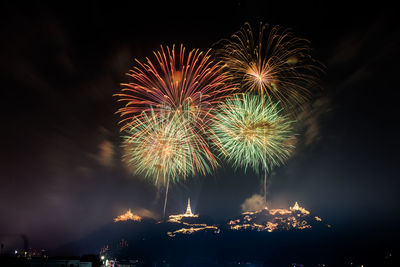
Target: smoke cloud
x=255, y=202
x=106, y=154
x=146, y=213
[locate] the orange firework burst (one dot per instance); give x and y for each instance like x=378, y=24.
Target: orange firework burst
x=275, y=63
x=166, y=146
x=174, y=81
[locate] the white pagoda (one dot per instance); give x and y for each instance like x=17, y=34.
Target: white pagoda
x=188, y=212
x=178, y=217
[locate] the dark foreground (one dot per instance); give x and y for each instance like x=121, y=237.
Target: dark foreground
x=146, y=244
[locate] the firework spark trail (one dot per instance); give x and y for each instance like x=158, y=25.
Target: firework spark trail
x=253, y=133
x=275, y=63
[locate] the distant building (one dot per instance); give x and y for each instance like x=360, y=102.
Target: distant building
x=44, y=262
x=58, y=263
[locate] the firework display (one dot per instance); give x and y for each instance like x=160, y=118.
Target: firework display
x=273, y=63
x=167, y=110
x=253, y=133
x=180, y=104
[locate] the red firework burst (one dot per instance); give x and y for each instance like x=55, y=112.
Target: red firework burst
x=174, y=82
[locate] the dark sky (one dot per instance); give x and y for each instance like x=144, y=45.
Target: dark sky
x=61, y=175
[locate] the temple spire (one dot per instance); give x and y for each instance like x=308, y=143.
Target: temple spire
x=188, y=209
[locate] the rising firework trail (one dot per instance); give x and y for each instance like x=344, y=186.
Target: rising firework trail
x=273, y=63
x=165, y=147
x=253, y=133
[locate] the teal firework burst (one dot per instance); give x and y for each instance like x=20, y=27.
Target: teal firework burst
x=253, y=133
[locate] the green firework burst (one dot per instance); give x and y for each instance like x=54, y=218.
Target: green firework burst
x=253, y=133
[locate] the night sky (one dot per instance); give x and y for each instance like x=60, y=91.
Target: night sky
x=61, y=174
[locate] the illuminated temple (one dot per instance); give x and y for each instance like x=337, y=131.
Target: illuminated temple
x=178, y=217
x=188, y=225
x=271, y=220
x=128, y=216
